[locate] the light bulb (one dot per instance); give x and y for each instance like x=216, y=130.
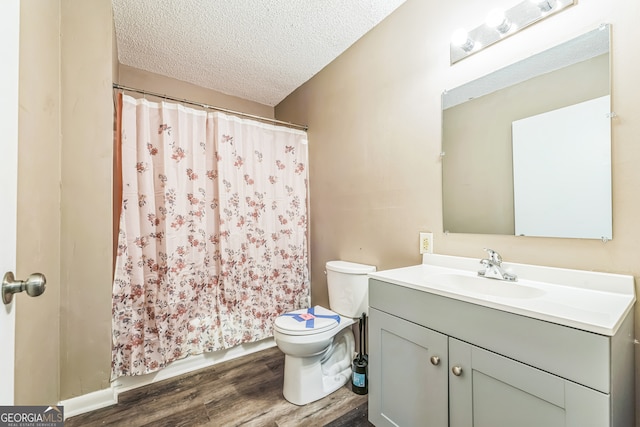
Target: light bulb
x=461, y=39
x=544, y=5
x=496, y=19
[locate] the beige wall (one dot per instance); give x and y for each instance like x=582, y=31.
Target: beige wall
x=374, y=135
x=85, y=196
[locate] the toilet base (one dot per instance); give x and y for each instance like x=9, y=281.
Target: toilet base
x=307, y=379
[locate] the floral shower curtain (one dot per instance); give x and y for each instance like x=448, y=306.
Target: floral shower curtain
x=212, y=244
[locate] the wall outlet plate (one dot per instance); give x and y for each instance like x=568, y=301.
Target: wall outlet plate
x=426, y=243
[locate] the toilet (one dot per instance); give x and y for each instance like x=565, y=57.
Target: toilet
x=318, y=343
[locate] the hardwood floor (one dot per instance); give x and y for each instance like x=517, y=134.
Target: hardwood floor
x=243, y=392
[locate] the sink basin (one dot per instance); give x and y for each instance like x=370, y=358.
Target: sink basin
x=485, y=286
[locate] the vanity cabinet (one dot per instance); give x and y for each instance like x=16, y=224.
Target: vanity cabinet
x=437, y=361
x=490, y=390
x=410, y=366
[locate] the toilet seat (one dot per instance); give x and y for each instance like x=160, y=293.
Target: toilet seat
x=307, y=321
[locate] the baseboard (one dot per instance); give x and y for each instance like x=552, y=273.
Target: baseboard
x=107, y=397
x=88, y=402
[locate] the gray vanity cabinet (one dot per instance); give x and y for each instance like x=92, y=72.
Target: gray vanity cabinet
x=410, y=373
x=492, y=390
x=493, y=368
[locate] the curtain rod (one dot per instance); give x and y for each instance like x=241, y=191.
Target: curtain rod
x=210, y=107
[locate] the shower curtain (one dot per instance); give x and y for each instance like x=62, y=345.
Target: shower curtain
x=212, y=245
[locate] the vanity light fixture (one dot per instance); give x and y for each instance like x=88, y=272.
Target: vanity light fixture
x=501, y=24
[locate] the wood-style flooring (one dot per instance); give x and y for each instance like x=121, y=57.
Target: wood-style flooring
x=242, y=392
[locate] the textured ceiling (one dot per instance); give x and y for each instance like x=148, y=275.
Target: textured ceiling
x=260, y=50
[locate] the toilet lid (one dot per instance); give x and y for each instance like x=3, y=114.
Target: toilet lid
x=307, y=321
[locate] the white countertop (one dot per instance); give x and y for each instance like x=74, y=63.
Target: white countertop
x=591, y=301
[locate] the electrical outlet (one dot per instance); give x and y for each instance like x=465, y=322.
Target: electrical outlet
x=426, y=243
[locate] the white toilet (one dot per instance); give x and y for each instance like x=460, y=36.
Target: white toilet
x=318, y=343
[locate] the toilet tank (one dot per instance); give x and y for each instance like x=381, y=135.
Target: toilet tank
x=348, y=287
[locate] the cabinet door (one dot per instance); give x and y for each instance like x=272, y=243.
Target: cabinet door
x=407, y=373
x=489, y=390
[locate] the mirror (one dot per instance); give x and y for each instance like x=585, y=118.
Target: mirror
x=527, y=149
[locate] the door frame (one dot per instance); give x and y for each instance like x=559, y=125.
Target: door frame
x=9, y=72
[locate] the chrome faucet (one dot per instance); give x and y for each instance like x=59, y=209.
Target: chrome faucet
x=493, y=267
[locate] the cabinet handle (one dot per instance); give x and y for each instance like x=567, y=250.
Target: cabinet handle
x=457, y=370
x=435, y=360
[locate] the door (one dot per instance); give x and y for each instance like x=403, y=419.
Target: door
x=407, y=373
x=9, y=34
x=489, y=390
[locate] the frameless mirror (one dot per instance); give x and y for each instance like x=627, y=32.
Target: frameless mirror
x=526, y=150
